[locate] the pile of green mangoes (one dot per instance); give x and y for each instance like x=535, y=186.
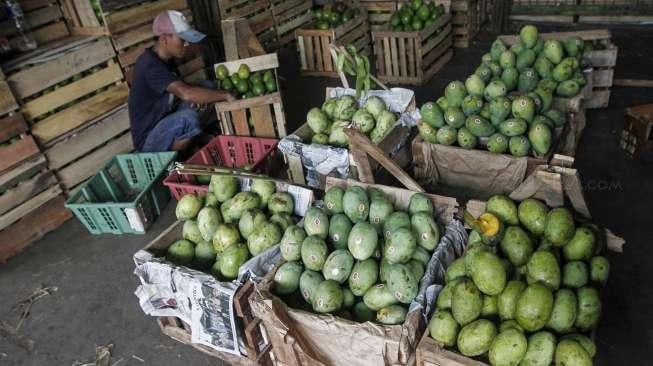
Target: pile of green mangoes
x=359, y=257
x=526, y=292
x=328, y=122
x=225, y=227
x=244, y=83
x=331, y=16
x=506, y=104
x=415, y=16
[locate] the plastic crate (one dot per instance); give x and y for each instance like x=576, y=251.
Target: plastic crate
x=125, y=196
x=223, y=151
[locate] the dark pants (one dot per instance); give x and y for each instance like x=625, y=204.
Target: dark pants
x=182, y=124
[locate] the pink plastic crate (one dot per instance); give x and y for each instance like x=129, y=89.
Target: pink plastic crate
x=224, y=151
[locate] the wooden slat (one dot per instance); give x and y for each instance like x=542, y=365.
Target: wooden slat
x=25, y=208
x=85, y=13
x=16, y=152
x=428, y=46
x=240, y=123
x=230, y=40
x=26, y=189
x=33, y=20
x=294, y=23
x=46, y=218
x=50, y=32
x=262, y=120
x=73, y=91
x=88, y=139
x=317, y=48
x=602, y=78
x=411, y=43
x=28, y=5
x=326, y=55
x=27, y=82
x=310, y=57
x=12, y=126
x=402, y=55
x=21, y=172
x=121, y=20
x=395, y=58
x=280, y=119
x=429, y=72
x=78, y=171
x=256, y=63
x=80, y=113
x=429, y=58
x=388, y=56
x=248, y=102
x=132, y=37
x=380, y=56
x=7, y=100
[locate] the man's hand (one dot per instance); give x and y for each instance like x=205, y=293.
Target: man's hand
x=230, y=97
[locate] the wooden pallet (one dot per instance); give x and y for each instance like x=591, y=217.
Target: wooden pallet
x=603, y=62
x=313, y=45
x=637, y=135
x=466, y=21
x=69, y=88
x=43, y=19
x=43, y=219
x=259, y=15
x=290, y=15
x=413, y=57
x=261, y=116
x=76, y=155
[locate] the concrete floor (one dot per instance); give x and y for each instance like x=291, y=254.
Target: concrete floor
x=95, y=305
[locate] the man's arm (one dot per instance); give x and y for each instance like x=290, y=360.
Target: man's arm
x=197, y=94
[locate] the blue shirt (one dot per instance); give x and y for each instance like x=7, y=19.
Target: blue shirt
x=149, y=101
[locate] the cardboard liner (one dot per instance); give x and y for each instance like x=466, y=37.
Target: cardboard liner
x=303, y=338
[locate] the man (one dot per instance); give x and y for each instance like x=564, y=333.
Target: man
x=160, y=103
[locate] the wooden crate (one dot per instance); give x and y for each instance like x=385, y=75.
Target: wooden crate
x=637, y=135
x=466, y=20
x=413, y=57
x=41, y=220
x=258, y=14
x=393, y=139
x=260, y=116
x=42, y=18
x=290, y=15
x=77, y=155
x=313, y=45
x=74, y=85
x=255, y=345
x=602, y=61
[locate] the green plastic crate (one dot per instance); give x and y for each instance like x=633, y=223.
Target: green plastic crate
x=126, y=196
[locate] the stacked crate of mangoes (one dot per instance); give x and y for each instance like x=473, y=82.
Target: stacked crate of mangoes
x=526, y=292
x=359, y=257
x=505, y=106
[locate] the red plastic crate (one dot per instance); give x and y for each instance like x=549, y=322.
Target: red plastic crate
x=223, y=151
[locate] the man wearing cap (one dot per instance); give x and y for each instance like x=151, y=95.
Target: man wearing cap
x=160, y=103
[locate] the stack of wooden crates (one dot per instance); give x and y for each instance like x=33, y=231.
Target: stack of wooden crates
x=63, y=106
